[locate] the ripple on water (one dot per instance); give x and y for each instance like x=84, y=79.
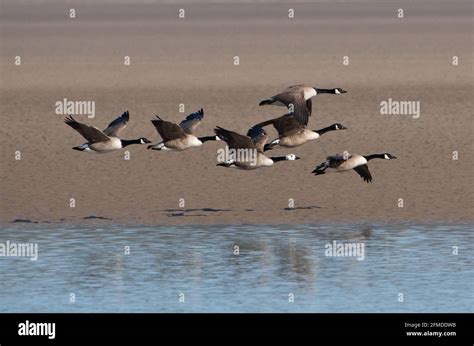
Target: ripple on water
x=273, y=263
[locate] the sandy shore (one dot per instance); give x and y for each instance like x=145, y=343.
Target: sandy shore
x=190, y=61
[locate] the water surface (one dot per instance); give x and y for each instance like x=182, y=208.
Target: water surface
x=273, y=265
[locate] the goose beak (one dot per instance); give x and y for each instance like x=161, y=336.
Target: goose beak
x=149, y=147
x=344, y=128
x=393, y=157
x=297, y=158
x=342, y=91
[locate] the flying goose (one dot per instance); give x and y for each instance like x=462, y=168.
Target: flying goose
x=180, y=137
x=297, y=98
x=103, y=141
x=292, y=134
x=249, y=151
x=347, y=162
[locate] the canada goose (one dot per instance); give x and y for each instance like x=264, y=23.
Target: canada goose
x=346, y=162
x=249, y=151
x=180, y=137
x=297, y=98
x=292, y=134
x=103, y=141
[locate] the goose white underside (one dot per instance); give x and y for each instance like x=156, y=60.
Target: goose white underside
x=86, y=148
x=240, y=165
x=350, y=164
x=107, y=146
x=160, y=146
x=181, y=144
x=296, y=140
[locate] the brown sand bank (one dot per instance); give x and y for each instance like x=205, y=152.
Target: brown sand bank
x=190, y=61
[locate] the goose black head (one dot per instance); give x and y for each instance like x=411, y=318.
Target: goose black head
x=338, y=126
x=292, y=157
x=336, y=91
x=388, y=156
x=143, y=140
x=339, y=91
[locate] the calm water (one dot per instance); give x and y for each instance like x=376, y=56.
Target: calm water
x=273, y=263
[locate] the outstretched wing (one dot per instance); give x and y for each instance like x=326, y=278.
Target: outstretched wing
x=284, y=125
x=168, y=130
x=90, y=133
x=234, y=140
x=116, y=126
x=192, y=121
x=293, y=98
x=320, y=168
x=364, y=172
x=301, y=109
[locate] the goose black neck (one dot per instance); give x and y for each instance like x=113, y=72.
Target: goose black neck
x=127, y=142
x=207, y=138
x=325, y=91
x=324, y=130
x=374, y=156
x=268, y=146
x=278, y=158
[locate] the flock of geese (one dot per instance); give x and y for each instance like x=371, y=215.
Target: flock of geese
x=291, y=127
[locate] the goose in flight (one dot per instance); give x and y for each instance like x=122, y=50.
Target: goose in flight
x=297, y=98
x=180, y=136
x=248, y=150
x=347, y=162
x=292, y=134
x=103, y=141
